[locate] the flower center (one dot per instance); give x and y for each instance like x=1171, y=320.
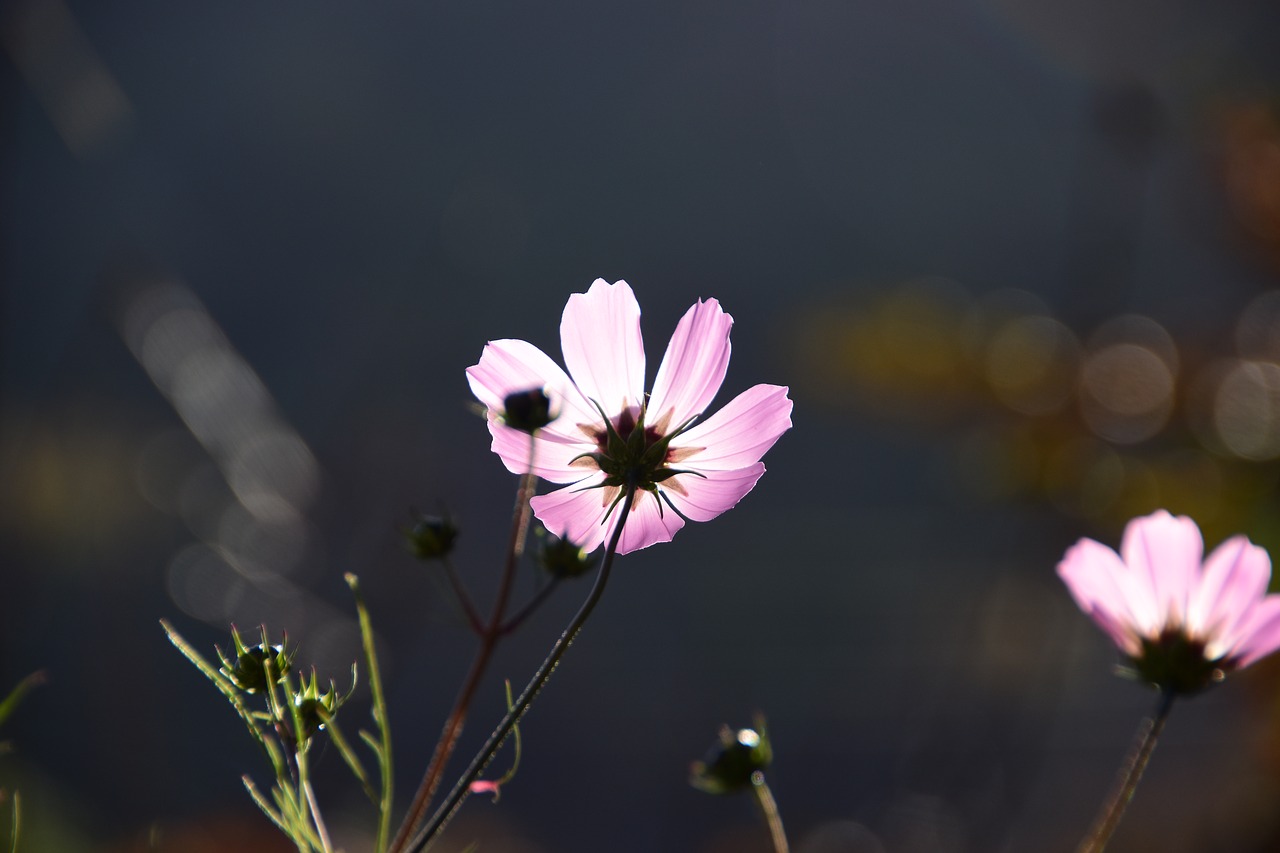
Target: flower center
x=1177, y=662
x=634, y=455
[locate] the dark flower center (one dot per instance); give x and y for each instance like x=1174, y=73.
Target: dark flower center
x=634, y=455
x=1177, y=662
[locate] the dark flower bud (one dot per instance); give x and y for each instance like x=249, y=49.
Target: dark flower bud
x=527, y=411
x=250, y=664
x=735, y=763
x=431, y=537
x=562, y=558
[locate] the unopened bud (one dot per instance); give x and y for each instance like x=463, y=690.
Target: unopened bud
x=431, y=537
x=735, y=763
x=249, y=667
x=315, y=709
x=563, y=559
x=527, y=411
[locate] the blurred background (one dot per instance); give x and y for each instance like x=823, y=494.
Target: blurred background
x=1018, y=261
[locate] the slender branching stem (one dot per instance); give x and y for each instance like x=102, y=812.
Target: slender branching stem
x=540, y=678
x=464, y=598
x=769, y=808
x=490, y=633
x=310, y=794
x=534, y=603
x=1128, y=778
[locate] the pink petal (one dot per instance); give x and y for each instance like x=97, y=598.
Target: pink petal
x=739, y=434
x=1165, y=552
x=579, y=515
x=648, y=524
x=553, y=457
x=1260, y=636
x=1102, y=586
x=509, y=365
x=575, y=512
x=600, y=336
x=703, y=498
x=1234, y=581
x=694, y=364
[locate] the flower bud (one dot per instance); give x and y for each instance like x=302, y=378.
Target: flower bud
x=248, y=669
x=315, y=709
x=563, y=559
x=735, y=763
x=431, y=537
x=527, y=411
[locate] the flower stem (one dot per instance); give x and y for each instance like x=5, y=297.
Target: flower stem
x=534, y=603
x=539, y=680
x=769, y=807
x=490, y=634
x=1129, y=777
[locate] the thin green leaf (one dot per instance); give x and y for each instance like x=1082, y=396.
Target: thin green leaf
x=224, y=685
x=351, y=759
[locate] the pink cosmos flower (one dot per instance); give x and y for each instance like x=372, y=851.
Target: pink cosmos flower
x=609, y=433
x=1183, y=622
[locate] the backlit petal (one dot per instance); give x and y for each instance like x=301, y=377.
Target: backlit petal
x=694, y=364
x=648, y=524
x=1103, y=588
x=600, y=335
x=507, y=366
x=1235, y=579
x=574, y=513
x=703, y=498
x=739, y=434
x=1165, y=552
x=553, y=458
x=1261, y=635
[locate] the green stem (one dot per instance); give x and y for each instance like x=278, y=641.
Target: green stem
x=769, y=807
x=490, y=634
x=1130, y=775
x=539, y=680
x=379, y=714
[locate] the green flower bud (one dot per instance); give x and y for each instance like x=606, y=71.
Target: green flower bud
x=527, y=411
x=248, y=669
x=563, y=559
x=315, y=709
x=431, y=537
x=735, y=763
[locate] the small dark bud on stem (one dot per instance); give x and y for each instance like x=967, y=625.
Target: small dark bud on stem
x=735, y=763
x=563, y=559
x=431, y=537
x=527, y=411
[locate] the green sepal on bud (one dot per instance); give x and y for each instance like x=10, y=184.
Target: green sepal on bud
x=316, y=709
x=527, y=411
x=247, y=668
x=1175, y=663
x=736, y=762
x=562, y=558
x=431, y=537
